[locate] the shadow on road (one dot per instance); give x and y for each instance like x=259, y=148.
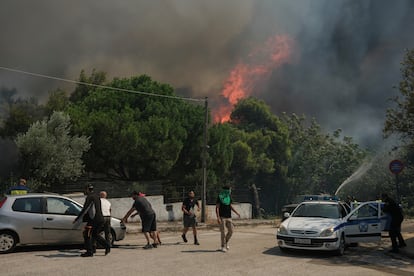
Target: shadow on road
x=34, y=248
x=63, y=254
x=201, y=251
x=373, y=257
x=297, y=253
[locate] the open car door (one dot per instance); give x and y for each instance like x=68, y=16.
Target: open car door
x=363, y=224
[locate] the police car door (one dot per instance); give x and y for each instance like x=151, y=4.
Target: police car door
x=363, y=224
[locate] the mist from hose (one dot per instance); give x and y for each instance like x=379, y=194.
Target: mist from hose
x=356, y=175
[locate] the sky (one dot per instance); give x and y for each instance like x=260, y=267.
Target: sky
x=335, y=60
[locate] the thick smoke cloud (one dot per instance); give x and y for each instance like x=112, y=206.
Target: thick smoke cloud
x=347, y=53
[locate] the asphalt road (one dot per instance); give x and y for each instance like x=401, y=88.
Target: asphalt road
x=253, y=251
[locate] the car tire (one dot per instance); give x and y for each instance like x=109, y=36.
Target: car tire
x=112, y=237
x=341, y=249
x=8, y=242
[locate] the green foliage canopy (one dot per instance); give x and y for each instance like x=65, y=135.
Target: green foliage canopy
x=136, y=136
x=49, y=154
x=400, y=120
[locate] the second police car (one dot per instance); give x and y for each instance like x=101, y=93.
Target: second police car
x=329, y=225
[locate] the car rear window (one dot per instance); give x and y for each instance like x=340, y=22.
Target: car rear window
x=28, y=205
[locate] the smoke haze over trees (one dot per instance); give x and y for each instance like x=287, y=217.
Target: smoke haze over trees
x=344, y=58
x=335, y=61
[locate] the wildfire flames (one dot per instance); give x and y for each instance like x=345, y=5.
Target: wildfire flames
x=257, y=67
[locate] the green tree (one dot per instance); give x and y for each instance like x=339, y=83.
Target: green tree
x=320, y=162
x=88, y=84
x=6, y=100
x=400, y=122
x=220, y=154
x=400, y=119
x=136, y=136
x=261, y=150
x=57, y=101
x=19, y=115
x=49, y=155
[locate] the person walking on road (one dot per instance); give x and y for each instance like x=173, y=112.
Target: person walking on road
x=148, y=218
x=106, y=212
x=189, y=217
x=224, y=208
x=92, y=214
x=395, y=212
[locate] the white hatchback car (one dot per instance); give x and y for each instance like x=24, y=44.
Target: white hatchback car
x=44, y=219
x=327, y=225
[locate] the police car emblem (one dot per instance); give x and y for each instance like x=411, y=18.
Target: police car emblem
x=363, y=227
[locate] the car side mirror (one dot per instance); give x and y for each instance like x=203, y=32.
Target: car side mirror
x=286, y=215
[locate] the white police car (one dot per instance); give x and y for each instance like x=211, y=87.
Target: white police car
x=327, y=225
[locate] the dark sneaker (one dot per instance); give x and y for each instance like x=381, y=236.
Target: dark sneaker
x=107, y=250
x=196, y=243
x=148, y=246
x=87, y=254
x=154, y=245
x=184, y=238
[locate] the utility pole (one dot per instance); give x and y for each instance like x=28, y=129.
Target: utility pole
x=204, y=161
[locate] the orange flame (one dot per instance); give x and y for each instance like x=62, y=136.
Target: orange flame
x=257, y=68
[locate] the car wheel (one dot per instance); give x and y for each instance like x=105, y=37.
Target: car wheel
x=112, y=237
x=341, y=249
x=8, y=241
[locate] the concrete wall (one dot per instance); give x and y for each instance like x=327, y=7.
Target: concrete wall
x=165, y=212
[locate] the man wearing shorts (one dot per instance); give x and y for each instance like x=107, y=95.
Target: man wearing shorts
x=224, y=208
x=148, y=218
x=189, y=217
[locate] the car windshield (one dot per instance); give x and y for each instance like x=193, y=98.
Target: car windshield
x=317, y=210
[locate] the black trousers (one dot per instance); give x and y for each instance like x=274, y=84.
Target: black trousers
x=91, y=234
x=107, y=228
x=395, y=233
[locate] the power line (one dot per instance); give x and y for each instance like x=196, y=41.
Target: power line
x=100, y=86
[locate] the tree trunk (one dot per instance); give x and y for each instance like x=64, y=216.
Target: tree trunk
x=256, y=203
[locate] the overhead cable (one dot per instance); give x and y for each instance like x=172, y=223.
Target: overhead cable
x=100, y=86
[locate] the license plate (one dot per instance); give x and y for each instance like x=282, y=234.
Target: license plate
x=302, y=241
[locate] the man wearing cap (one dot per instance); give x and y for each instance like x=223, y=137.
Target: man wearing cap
x=148, y=218
x=92, y=213
x=20, y=189
x=189, y=217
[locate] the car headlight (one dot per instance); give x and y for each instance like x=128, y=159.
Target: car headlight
x=327, y=232
x=282, y=230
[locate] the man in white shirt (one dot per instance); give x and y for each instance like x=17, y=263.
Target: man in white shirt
x=106, y=212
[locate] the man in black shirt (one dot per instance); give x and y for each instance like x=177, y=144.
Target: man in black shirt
x=148, y=218
x=189, y=217
x=395, y=212
x=223, y=211
x=92, y=214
